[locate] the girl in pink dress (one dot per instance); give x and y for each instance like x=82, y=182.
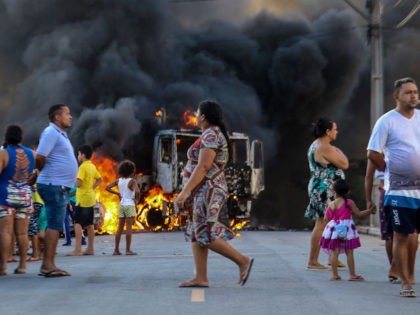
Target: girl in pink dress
x=340, y=235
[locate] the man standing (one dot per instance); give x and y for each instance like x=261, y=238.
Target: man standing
x=57, y=168
x=88, y=178
x=394, y=147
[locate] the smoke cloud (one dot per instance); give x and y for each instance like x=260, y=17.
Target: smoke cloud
x=116, y=62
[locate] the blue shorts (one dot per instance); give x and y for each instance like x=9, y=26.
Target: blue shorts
x=402, y=208
x=55, y=199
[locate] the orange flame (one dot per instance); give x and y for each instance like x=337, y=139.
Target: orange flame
x=189, y=118
x=238, y=225
x=149, y=213
x=150, y=210
x=158, y=113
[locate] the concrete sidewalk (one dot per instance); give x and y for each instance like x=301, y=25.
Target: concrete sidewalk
x=147, y=283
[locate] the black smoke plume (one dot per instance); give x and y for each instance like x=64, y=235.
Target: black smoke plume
x=115, y=62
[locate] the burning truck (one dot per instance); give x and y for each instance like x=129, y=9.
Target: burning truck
x=244, y=176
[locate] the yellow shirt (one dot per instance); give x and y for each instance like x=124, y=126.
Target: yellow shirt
x=88, y=174
x=36, y=197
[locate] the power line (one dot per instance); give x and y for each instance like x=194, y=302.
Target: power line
x=409, y=15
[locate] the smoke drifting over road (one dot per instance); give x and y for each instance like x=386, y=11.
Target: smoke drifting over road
x=116, y=61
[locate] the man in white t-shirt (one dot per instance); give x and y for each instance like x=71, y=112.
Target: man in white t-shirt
x=394, y=147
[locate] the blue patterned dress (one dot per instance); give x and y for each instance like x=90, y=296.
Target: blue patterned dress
x=207, y=203
x=320, y=187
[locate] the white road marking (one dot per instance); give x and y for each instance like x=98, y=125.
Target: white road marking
x=197, y=295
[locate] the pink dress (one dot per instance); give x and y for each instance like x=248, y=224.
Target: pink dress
x=341, y=216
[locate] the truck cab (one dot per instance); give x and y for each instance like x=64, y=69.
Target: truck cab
x=244, y=172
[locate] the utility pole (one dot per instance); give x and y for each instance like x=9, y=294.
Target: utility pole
x=374, y=20
x=375, y=39
x=377, y=79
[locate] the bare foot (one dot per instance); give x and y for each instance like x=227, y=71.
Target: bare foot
x=130, y=253
x=88, y=253
x=73, y=253
x=116, y=253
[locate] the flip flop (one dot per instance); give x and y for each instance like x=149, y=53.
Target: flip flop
x=190, y=284
x=357, y=278
x=340, y=265
x=19, y=271
x=407, y=293
x=394, y=280
x=130, y=253
x=317, y=267
x=116, y=253
x=31, y=259
x=11, y=260
x=338, y=278
x=245, y=275
x=54, y=273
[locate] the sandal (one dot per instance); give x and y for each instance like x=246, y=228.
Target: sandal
x=394, y=280
x=245, y=274
x=357, y=278
x=338, y=278
x=54, y=273
x=407, y=293
x=19, y=271
x=316, y=267
x=192, y=284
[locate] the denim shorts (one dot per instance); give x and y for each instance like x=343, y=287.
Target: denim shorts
x=55, y=199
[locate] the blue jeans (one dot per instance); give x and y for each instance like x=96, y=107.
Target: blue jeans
x=55, y=199
x=68, y=216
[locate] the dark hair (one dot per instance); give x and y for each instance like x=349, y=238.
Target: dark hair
x=13, y=135
x=341, y=188
x=55, y=110
x=398, y=83
x=321, y=127
x=214, y=115
x=126, y=168
x=86, y=150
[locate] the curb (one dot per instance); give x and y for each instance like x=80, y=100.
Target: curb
x=370, y=230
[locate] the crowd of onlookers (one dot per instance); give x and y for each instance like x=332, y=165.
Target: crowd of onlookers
x=393, y=155
x=44, y=189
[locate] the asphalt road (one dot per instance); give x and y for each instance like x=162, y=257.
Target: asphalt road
x=147, y=283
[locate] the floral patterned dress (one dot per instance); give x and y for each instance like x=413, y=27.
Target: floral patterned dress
x=320, y=188
x=207, y=203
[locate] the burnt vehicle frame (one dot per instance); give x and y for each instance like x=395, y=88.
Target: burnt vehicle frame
x=244, y=172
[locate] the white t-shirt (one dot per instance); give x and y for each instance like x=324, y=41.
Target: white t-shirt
x=398, y=138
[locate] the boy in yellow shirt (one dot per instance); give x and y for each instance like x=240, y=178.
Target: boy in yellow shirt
x=88, y=178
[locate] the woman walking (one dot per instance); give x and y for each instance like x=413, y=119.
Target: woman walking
x=204, y=196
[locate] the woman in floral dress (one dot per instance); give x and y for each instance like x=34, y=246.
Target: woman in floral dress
x=204, y=196
x=326, y=163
